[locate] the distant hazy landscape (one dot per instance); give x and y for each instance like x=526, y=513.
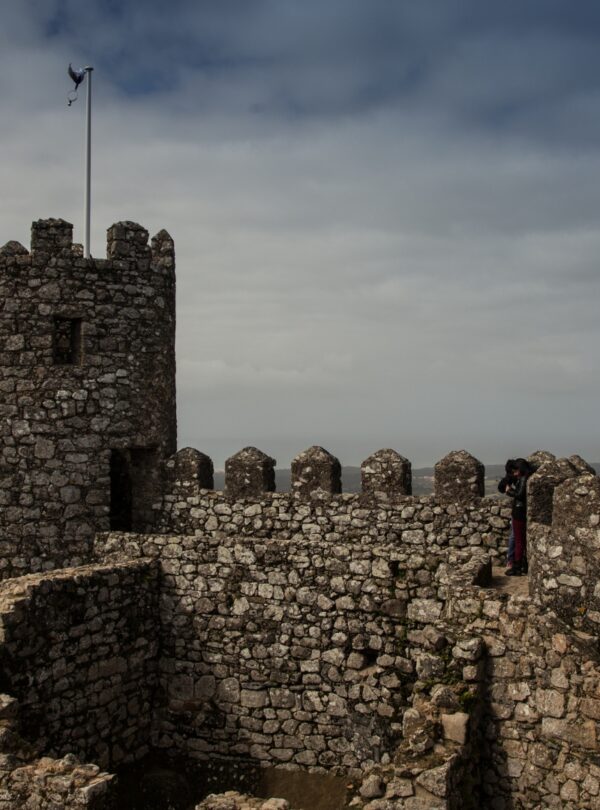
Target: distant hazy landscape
x=422, y=479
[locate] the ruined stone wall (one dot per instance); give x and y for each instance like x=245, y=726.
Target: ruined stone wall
x=401, y=666
x=541, y=703
x=263, y=617
x=31, y=782
x=49, y=784
x=87, y=367
x=303, y=651
x=566, y=568
x=383, y=511
x=79, y=654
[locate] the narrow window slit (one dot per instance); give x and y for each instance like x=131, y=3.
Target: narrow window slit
x=66, y=344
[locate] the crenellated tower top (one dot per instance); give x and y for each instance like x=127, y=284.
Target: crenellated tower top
x=126, y=242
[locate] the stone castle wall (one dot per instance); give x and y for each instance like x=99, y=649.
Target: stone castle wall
x=455, y=516
x=79, y=654
x=540, y=703
x=87, y=390
x=384, y=657
x=316, y=651
x=398, y=662
x=565, y=562
x=300, y=651
x=360, y=634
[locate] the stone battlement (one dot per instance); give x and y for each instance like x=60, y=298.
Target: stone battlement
x=244, y=507
x=52, y=242
x=459, y=476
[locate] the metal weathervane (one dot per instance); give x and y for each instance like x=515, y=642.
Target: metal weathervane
x=78, y=76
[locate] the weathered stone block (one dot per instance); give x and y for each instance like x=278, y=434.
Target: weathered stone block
x=424, y=610
x=249, y=474
x=456, y=727
x=580, y=734
x=127, y=241
x=51, y=236
x=191, y=468
x=541, y=486
x=438, y=780
x=372, y=787
x=459, y=478
x=386, y=474
x=581, y=465
x=550, y=702
x=252, y=698
x=540, y=457
x=228, y=690
x=316, y=472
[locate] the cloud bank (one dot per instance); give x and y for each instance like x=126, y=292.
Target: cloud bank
x=384, y=213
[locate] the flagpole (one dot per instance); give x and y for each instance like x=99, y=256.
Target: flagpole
x=88, y=161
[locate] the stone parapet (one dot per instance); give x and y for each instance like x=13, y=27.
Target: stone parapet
x=249, y=474
x=459, y=478
x=541, y=486
x=386, y=474
x=189, y=470
x=127, y=241
x=566, y=568
x=315, y=472
x=348, y=518
x=51, y=236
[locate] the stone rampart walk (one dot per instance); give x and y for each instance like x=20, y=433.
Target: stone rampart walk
x=515, y=586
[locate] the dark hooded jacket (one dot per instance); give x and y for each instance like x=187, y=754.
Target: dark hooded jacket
x=518, y=492
x=504, y=484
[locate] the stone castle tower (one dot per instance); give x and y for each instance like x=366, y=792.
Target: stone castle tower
x=87, y=383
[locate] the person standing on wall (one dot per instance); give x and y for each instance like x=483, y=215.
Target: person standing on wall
x=504, y=484
x=518, y=492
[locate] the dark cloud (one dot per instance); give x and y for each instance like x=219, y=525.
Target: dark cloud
x=384, y=212
x=492, y=65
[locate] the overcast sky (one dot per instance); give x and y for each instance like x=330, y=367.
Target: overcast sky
x=385, y=212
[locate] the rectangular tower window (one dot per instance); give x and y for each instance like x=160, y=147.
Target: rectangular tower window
x=66, y=345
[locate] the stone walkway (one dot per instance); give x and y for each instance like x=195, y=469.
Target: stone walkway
x=518, y=586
